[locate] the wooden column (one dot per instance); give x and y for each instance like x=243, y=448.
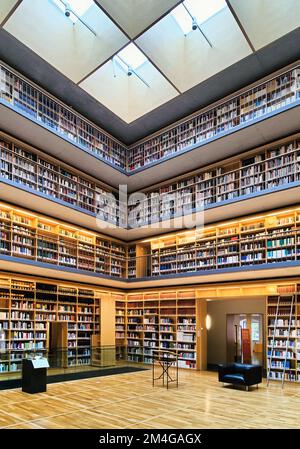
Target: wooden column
x=107, y=329
x=201, y=336
x=141, y=260
x=107, y=320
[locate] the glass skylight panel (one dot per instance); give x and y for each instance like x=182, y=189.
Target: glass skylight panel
x=183, y=18
x=204, y=9
x=132, y=56
x=121, y=63
x=201, y=10
x=78, y=6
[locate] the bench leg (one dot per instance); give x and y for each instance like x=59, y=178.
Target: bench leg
x=247, y=388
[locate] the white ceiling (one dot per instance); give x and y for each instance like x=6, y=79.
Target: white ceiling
x=175, y=62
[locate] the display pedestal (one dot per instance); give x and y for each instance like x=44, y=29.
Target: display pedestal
x=34, y=375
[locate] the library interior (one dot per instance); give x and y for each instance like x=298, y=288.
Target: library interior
x=149, y=214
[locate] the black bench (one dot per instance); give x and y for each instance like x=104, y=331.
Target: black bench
x=240, y=374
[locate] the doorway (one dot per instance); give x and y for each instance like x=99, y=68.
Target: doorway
x=254, y=323
x=58, y=341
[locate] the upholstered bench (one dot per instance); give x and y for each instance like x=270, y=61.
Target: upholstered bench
x=240, y=374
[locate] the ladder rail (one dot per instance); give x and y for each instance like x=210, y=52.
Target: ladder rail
x=269, y=359
x=287, y=342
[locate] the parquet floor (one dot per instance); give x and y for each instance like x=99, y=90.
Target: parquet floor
x=129, y=401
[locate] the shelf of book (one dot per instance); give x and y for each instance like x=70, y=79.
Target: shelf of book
x=60, y=321
x=283, y=334
x=27, y=311
x=269, y=238
x=38, y=238
x=120, y=324
x=25, y=166
x=257, y=171
x=162, y=320
x=251, y=241
x=249, y=105
x=50, y=112
x=131, y=269
x=242, y=109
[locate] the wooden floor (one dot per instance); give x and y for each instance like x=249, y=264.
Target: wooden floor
x=129, y=401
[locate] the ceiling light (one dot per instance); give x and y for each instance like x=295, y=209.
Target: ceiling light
x=195, y=24
x=67, y=11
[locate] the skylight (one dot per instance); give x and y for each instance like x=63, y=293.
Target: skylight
x=183, y=18
x=132, y=56
x=78, y=6
x=200, y=9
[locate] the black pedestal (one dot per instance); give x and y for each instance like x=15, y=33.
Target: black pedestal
x=34, y=380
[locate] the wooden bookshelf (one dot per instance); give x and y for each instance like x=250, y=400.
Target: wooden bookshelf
x=162, y=320
x=39, y=238
x=283, y=334
x=31, y=311
x=71, y=324
x=131, y=267
x=276, y=165
x=120, y=325
x=28, y=167
x=269, y=238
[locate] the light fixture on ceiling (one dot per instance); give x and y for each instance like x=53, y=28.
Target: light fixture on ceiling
x=67, y=11
x=74, y=13
x=195, y=24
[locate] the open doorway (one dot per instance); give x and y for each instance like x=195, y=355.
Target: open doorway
x=221, y=315
x=254, y=323
x=58, y=341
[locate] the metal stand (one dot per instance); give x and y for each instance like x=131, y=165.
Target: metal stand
x=165, y=359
